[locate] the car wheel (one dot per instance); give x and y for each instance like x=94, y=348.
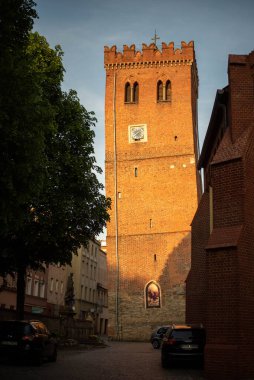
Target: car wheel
x=53, y=357
x=156, y=344
x=164, y=361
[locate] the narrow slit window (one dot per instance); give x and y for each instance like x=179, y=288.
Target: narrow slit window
x=136, y=172
x=127, y=96
x=168, y=90
x=159, y=91
x=119, y=195
x=135, y=92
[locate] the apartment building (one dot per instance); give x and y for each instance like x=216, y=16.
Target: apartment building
x=89, y=269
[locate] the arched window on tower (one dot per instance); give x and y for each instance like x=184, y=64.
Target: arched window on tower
x=159, y=91
x=135, y=92
x=168, y=90
x=127, y=94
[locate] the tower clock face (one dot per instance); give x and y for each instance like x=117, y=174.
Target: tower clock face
x=137, y=133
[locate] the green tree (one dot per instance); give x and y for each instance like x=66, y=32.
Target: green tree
x=25, y=118
x=63, y=207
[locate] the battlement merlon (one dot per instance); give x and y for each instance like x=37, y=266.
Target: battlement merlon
x=150, y=53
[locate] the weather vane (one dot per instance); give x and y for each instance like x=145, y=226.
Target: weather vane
x=155, y=38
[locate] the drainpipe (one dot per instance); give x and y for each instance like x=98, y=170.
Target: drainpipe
x=116, y=214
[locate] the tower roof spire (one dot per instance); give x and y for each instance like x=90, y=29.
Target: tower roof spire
x=155, y=38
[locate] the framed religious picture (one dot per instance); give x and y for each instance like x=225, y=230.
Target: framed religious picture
x=153, y=295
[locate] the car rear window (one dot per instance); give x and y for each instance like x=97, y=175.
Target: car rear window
x=15, y=328
x=185, y=334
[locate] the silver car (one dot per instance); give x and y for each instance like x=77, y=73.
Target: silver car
x=157, y=335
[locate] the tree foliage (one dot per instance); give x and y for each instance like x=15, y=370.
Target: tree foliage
x=51, y=200
x=24, y=120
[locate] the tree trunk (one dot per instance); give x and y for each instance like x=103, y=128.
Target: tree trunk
x=21, y=284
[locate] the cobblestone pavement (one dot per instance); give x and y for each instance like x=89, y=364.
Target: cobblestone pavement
x=118, y=361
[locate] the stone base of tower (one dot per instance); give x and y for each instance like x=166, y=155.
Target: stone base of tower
x=136, y=323
x=130, y=317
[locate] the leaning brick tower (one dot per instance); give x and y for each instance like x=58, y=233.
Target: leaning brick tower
x=151, y=177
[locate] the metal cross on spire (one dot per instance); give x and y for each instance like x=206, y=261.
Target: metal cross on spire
x=155, y=38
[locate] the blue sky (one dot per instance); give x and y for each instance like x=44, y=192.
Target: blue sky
x=84, y=27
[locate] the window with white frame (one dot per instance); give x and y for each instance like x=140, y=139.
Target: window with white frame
x=28, y=285
x=36, y=287
x=42, y=288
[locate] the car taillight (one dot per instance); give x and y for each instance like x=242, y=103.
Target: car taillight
x=28, y=338
x=170, y=341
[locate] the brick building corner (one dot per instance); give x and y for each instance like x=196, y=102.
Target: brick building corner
x=220, y=284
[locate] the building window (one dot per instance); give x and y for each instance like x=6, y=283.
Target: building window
x=36, y=288
x=42, y=289
x=135, y=92
x=29, y=285
x=168, y=91
x=127, y=95
x=136, y=172
x=131, y=93
x=62, y=285
x=159, y=91
x=163, y=91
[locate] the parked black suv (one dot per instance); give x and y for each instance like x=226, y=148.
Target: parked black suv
x=185, y=342
x=27, y=339
x=157, y=335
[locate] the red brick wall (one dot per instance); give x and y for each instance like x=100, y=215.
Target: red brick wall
x=228, y=192
x=222, y=273
x=229, y=261
x=241, y=88
x=196, y=280
x=246, y=271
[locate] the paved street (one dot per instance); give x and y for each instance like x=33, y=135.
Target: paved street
x=119, y=361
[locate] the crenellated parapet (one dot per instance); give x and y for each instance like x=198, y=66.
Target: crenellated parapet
x=149, y=56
